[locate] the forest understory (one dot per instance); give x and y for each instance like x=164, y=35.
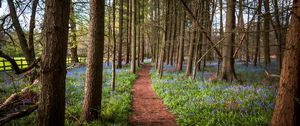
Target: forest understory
x=193, y=102
x=149, y=62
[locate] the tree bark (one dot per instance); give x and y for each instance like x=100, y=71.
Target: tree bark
x=181, y=42
x=228, y=72
x=191, y=48
x=257, y=43
x=267, y=20
x=53, y=66
x=128, y=31
x=114, y=47
x=133, y=37
x=73, y=43
x=31, y=29
x=93, y=83
x=287, y=108
x=120, y=34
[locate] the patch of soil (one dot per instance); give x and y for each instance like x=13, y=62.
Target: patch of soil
x=148, y=109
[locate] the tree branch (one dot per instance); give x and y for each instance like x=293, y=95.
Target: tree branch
x=15, y=66
x=201, y=27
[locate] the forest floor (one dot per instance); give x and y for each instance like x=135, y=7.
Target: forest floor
x=148, y=109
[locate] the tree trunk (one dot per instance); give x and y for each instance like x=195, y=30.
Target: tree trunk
x=27, y=48
x=114, y=47
x=173, y=33
x=93, y=83
x=73, y=42
x=279, y=35
x=162, y=54
x=181, y=42
x=53, y=66
x=157, y=32
x=138, y=32
x=133, y=37
x=128, y=32
x=267, y=19
x=241, y=27
x=228, y=72
x=287, y=109
x=191, y=49
x=257, y=49
x=31, y=28
x=109, y=36
x=120, y=34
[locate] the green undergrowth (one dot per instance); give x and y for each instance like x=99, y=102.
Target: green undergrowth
x=199, y=103
x=115, y=106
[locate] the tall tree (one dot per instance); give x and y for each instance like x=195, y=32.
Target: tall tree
x=162, y=52
x=128, y=14
x=120, y=34
x=193, y=31
x=53, y=66
x=114, y=46
x=26, y=46
x=181, y=41
x=287, y=108
x=93, y=83
x=257, y=36
x=133, y=37
x=279, y=33
x=267, y=22
x=227, y=71
x=73, y=43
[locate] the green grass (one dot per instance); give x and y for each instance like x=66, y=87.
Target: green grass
x=18, y=61
x=215, y=104
x=115, y=107
x=8, y=65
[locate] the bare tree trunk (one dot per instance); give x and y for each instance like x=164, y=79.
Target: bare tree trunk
x=287, y=109
x=138, y=32
x=73, y=43
x=128, y=32
x=114, y=47
x=31, y=28
x=157, y=34
x=279, y=35
x=247, y=37
x=257, y=49
x=173, y=33
x=241, y=26
x=181, y=42
x=267, y=19
x=191, y=49
x=228, y=72
x=133, y=37
x=120, y=34
x=162, y=54
x=143, y=34
x=94, y=73
x=53, y=66
x=109, y=35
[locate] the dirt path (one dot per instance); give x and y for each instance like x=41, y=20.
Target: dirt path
x=148, y=109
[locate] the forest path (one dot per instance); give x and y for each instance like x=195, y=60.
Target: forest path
x=148, y=109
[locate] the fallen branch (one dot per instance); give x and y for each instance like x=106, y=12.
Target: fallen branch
x=19, y=105
x=272, y=75
x=19, y=114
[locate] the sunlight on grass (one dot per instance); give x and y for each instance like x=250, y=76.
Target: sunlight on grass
x=115, y=108
x=203, y=103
